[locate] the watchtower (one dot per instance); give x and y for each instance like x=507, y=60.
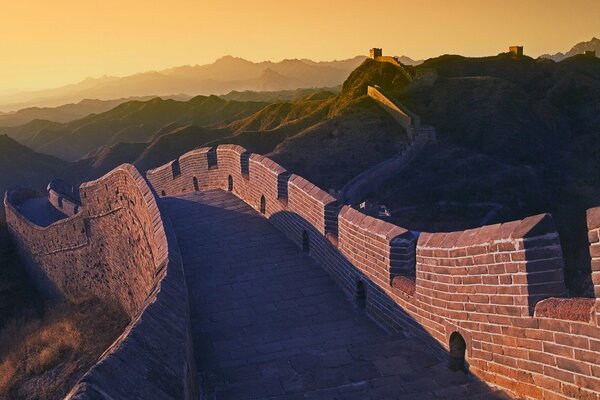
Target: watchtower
x=375, y=52
x=518, y=50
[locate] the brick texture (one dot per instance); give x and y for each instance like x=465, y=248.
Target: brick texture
x=499, y=287
x=483, y=283
x=117, y=248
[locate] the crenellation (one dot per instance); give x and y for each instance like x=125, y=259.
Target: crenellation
x=115, y=249
x=593, y=222
x=499, y=288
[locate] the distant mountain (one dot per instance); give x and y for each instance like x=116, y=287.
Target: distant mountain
x=516, y=136
x=579, y=48
x=409, y=61
x=224, y=75
x=280, y=96
x=130, y=122
x=64, y=113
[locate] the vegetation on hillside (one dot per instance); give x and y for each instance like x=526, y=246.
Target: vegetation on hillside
x=45, y=347
x=516, y=136
x=518, y=133
x=130, y=122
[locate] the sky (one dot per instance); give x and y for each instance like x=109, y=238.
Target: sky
x=51, y=43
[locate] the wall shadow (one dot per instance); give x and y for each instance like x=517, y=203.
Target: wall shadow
x=310, y=246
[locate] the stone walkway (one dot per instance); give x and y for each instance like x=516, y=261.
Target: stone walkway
x=39, y=211
x=269, y=323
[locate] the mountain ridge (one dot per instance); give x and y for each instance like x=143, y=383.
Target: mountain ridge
x=579, y=48
x=226, y=74
x=516, y=134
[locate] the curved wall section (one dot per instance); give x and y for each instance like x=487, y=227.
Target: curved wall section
x=117, y=248
x=497, y=288
x=108, y=250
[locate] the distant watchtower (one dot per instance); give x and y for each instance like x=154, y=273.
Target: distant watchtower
x=590, y=53
x=375, y=52
x=518, y=50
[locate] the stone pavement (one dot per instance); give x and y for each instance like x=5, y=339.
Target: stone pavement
x=39, y=211
x=269, y=323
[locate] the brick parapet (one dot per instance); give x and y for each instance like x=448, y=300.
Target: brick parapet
x=494, y=285
x=379, y=249
x=502, y=269
x=593, y=222
x=64, y=197
x=116, y=248
x=404, y=117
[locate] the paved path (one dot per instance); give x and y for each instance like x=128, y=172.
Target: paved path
x=269, y=323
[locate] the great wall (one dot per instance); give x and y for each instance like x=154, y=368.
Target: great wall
x=418, y=136
x=119, y=248
x=175, y=246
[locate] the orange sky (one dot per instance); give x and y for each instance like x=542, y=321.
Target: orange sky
x=48, y=43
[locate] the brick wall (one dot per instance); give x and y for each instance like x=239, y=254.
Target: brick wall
x=64, y=197
x=379, y=249
x=117, y=249
x=403, y=117
x=500, y=287
x=593, y=218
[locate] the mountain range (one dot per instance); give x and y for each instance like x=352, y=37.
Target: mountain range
x=516, y=136
x=224, y=75
x=220, y=77
x=68, y=112
x=579, y=48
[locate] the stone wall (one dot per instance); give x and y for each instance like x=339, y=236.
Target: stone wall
x=64, y=197
x=403, y=117
x=593, y=218
x=118, y=249
x=407, y=119
x=499, y=288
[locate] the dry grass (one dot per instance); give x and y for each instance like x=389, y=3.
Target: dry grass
x=46, y=347
x=42, y=349
x=42, y=358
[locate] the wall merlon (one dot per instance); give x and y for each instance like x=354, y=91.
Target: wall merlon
x=593, y=218
x=162, y=168
x=231, y=147
x=116, y=249
x=267, y=164
x=536, y=225
x=201, y=151
x=501, y=285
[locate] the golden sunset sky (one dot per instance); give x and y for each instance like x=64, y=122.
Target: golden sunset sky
x=50, y=43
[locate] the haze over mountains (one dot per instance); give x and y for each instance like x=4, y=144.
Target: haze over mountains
x=68, y=112
x=224, y=75
x=579, y=48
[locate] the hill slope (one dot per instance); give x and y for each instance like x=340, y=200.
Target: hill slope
x=64, y=113
x=22, y=166
x=517, y=136
x=132, y=122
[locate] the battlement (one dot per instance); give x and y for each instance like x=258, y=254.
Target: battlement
x=517, y=50
x=64, y=196
x=114, y=246
x=500, y=287
x=497, y=291
x=376, y=54
x=410, y=121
